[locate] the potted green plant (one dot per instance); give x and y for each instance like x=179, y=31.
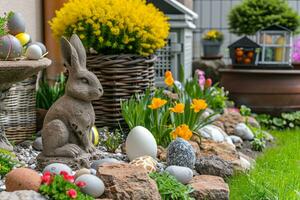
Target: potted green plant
x=253, y=15
x=121, y=38
x=212, y=42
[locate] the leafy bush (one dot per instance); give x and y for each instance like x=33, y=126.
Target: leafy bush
x=113, y=26
x=259, y=141
x=3, y=22
x=169, y=188
x=62, y=187
x=245, y=111
x=284, y=121
x=46, y=94
x=7, y=162
x=111, y=140
x=253, y=15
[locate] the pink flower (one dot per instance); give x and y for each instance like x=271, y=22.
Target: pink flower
x=81, y=184
x=46, y=178
x=67, y=177
x=201, y=78
x=72, y=193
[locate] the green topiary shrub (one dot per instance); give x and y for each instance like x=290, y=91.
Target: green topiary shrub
x=253, y=15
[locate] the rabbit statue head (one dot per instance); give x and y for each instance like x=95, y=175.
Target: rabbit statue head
x=81, y=84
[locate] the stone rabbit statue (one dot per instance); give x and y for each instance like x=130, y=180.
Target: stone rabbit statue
x=68, y=122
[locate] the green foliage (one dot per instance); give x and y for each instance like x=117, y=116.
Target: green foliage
x=276, y=174
x=259, y=141
x=3, y=22
x=284, y=121
x=58, y=189
x=46, y=95
x=169, y=188
x=245, y=111
x=253, y=15
x=111, y=140
x=7, y=162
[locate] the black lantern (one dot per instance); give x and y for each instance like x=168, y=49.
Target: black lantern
x=243, y=53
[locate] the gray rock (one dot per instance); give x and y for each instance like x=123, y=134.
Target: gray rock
x=56, y=168
x=213, y=132
x=213, y=165
x=82, y=172
x=181, y=153
x=38, y=144
x=182, y=174
x=243, y=131
x=236, y=139
x=95, y=165
x=94, y=186
x=21, y=195
x=93, y=171
x=252, y=122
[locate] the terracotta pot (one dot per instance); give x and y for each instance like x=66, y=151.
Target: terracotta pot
x=264, y=91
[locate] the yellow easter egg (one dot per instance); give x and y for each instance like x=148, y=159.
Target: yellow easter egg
x=24, y=38
x=94, y=135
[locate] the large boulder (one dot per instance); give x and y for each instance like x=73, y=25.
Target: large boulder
x=126, y=181
x=22, y=179
x=213, y=132
x=21, y=195
x=243, y=131
x=209, y=188
x=213, y=165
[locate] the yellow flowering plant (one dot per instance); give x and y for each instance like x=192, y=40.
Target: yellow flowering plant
x=113, y=26
x=214, y=35
x=182, y=131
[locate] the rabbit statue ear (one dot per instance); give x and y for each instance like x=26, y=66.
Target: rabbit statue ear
x=77, y=44
x=70, y=55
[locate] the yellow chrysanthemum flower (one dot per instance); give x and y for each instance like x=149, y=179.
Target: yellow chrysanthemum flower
x=198, y=105
x=182, y=131
x=157, y=103
x=146, y=25
x=178, y=108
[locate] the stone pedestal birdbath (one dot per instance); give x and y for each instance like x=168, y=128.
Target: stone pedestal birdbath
x=12, y=72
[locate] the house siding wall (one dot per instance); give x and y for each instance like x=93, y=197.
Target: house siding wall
x=31, y=10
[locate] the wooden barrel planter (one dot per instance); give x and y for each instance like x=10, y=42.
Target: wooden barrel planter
x=264, y=91
x=121, y=77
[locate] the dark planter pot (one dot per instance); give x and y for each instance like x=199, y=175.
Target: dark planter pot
x=211, y=48
x=264, y=91
x=296, y=65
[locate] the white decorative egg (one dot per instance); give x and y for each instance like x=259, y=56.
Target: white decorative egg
x=34, y=52
x=140, y=142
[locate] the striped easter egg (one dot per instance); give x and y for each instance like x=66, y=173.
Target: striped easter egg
x=94, y=136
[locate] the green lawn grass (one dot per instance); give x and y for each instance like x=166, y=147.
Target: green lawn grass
x=276, y=174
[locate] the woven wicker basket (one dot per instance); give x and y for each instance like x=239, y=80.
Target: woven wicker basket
x=121, y=77
x=18, y=111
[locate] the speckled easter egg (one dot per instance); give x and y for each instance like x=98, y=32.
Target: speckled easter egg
x=24, y=38
x=140, y=142
x=16, y=24
x=10, y=47
x=41, y=45
x=181, y=153
x=33, y=52
x=56, y=168
x=93, y=185
x=146, y=162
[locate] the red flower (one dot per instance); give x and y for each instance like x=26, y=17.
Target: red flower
x=81, y=184
x=67, y=177
x=46, y=178
x=72, y=193
x=208, y=83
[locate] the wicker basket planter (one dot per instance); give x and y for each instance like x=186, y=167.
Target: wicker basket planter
x=18, y=111
x=121, y=77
